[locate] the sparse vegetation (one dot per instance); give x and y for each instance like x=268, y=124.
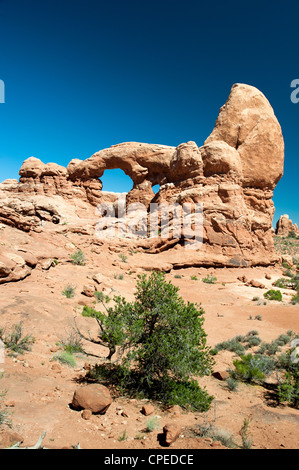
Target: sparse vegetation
x=273, y=294
x=152, y=424
x=124, y=436
x=209, y=279
x=267, y=360
x=232, y=384
x=246, y=438
x=118, y=276
x=73, y=343
x=78, y=258
x=4, y=412
x=258, y=317
x=68, y=292
x=15, y=342
x=287, y=246
x=207, y=429
x=65, y=357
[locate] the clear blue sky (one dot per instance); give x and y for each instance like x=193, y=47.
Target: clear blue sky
x=84, y=75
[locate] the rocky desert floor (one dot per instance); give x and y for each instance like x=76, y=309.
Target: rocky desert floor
x=39, y=389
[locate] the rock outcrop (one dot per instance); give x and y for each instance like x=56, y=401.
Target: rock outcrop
x=284, y=226
x=232, y=176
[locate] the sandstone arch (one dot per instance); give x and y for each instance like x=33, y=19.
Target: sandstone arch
x=233, y=174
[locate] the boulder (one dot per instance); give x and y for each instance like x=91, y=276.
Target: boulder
x=171, y=433
x=93, y=397
x=147, y=409
x=88, y=290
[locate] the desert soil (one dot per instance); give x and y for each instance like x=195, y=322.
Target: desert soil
x=40, y=390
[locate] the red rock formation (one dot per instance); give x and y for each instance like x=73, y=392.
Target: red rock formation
x=284, y=226
x=232, y=175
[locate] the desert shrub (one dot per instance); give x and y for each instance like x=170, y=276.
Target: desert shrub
x=73, y=343
x=232, y=345
x=78, y=258
x=253, y=341
x=65, y=357
x=246, y=438
x=193, y=278
x=123, y=257
x=273, y=294
x=209, y=279
x=15, y=342
x=68, y=292
x=285, y=338
x=295, y=299
x=251, y=368
x=152, y=424
x=286, y=283
x=4, y=412
x=161, y=343
x=269, y=348
x=118, y=276
x=178, y=276
x=252, y=333
x=123, y=436
x=208, y=429
x=232, y=384
x=101, y=297
x=288, y=273
x=223, y=436
x=292, y=234
x=288, y=389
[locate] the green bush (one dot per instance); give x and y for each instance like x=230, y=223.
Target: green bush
x=209, y=279
x=288, y=389
x=273, y=295
x=69, y=292
x=152, y=424
x=160, y=341
x=232, y=384
x=78, y=258
x=292, y=234
x=232, y=345
x=15, y=342
x=252, y=368
x=66, y=357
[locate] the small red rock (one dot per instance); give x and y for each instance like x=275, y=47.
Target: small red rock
x=86, y=414
x=171, y=433
x=221, y=375
x=147, y=409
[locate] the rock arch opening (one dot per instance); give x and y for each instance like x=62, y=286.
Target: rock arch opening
x=116, y=181
x=156, y=188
